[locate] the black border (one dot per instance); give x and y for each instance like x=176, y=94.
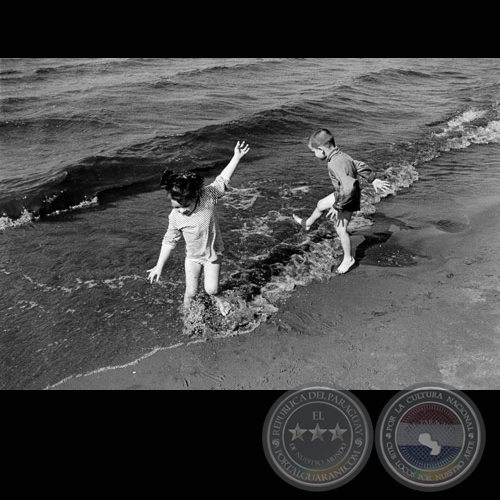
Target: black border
x=195, y=442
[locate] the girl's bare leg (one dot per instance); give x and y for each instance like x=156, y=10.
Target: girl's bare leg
x=193, y=271
x=212, y=273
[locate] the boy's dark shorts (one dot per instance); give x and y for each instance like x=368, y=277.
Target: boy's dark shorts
x=354, y=204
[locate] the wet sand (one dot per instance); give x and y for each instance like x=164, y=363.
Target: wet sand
x=421, y=306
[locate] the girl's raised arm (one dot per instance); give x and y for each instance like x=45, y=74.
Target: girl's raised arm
x=240, y=150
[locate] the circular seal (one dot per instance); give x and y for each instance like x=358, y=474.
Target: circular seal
x=317, y=438
x=430, y=437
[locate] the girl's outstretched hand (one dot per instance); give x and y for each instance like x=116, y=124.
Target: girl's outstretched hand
x=154, y=273
x=241, y=149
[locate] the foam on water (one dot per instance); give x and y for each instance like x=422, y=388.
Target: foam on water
x=470, y=127
x=28, y=217
x=80, y=284
x=241, y=198
x=25, y=218
x=466, y=117
x=87, y=203
x=288, y=192
x=478, y=135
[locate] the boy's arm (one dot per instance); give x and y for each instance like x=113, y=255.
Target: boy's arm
x=367, y=173
x=240, y=150
x=364, y=171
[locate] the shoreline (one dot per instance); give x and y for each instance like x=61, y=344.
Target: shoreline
x=376, y=327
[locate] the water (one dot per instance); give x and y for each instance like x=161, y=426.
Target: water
x=83, y=143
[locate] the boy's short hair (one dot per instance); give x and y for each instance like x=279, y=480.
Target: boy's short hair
x=321, y=137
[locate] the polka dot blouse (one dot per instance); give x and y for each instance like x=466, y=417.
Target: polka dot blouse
x=200, y=229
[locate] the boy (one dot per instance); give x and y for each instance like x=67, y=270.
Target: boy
x=346, y=198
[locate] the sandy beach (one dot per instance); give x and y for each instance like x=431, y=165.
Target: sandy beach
x=423, y=306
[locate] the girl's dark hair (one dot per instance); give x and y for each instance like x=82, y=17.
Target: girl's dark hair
x=183, y=188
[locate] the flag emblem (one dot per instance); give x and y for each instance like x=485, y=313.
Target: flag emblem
x=430, y=437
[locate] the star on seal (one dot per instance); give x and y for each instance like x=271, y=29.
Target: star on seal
x=337, y=433
x=294, y=442
x=317, y=433
x=297, y=433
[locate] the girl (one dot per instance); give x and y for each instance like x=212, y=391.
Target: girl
x=194, y=218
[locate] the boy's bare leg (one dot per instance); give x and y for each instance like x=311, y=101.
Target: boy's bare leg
x=343, y=220
x=308, y=222
x=212, y=273
x=323, y=205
